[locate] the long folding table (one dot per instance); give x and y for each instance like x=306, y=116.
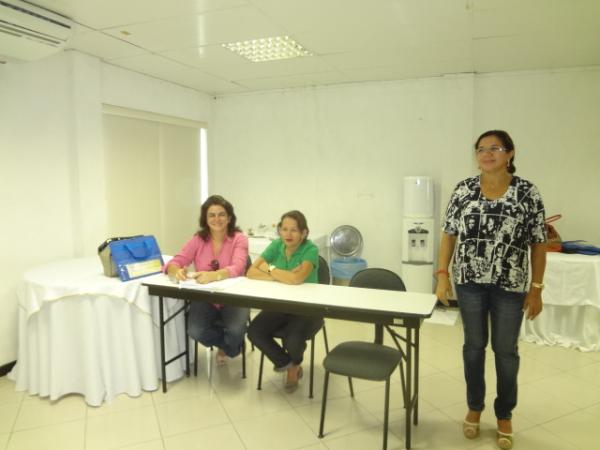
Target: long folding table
x=380, y=307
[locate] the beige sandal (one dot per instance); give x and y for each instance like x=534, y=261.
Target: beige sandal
x=471, y=429
x=504, y=440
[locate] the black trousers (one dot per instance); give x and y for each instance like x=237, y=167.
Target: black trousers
x=294, y=331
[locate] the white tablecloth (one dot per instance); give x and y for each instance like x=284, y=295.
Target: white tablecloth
x=571, y=314
x=82, y=332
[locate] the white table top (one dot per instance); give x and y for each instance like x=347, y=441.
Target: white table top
x=376, y=300
x=62, y=279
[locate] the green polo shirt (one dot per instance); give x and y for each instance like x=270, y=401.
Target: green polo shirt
x=307, y=251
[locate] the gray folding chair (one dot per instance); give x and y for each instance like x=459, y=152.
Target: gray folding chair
x=366, y=360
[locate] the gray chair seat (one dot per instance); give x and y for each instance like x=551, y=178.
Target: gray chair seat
x=363, y=360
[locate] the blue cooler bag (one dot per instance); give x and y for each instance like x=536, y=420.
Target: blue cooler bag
x=136, y=257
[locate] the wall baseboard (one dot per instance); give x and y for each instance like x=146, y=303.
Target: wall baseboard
x=6, y=368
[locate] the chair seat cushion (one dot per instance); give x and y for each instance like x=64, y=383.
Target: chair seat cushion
x=364, y=360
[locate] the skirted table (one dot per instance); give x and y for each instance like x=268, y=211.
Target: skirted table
x=571, y=314
x=82, y=332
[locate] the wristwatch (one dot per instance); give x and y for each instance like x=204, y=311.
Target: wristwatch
x=272, y=268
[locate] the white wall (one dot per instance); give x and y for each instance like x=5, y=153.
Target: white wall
x=553, y=118
x=52, y=162
x=339, y=153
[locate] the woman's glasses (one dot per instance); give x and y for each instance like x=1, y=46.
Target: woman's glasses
x=214, y=264
x=492, y=149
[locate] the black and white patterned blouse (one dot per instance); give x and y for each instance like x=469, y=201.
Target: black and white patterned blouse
x=493, y=236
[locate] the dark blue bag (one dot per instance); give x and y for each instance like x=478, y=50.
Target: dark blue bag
x=580, y=247
x=136, y=257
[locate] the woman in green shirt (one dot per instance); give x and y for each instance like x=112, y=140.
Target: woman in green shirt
x=291, y=259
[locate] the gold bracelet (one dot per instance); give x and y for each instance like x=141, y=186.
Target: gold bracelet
x=537, y=285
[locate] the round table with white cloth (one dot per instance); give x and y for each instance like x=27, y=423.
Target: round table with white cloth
x=571, y=314
x=82, y=332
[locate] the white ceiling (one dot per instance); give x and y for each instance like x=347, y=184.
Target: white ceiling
x=352, y=40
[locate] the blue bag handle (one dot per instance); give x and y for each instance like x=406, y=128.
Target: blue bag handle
x=139, y=252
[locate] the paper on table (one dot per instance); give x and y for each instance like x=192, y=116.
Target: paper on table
x=212, y=286
x=443, y=316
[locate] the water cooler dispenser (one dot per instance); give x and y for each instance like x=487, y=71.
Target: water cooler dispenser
x=418, y=237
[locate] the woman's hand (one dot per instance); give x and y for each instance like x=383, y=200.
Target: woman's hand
x=177, y=273
x=264, y=267
x=533, y=303
x=443, y=289
x=205, y=277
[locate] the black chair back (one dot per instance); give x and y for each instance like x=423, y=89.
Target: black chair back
x=248, y=264
x=374, y=278
x=324, y=275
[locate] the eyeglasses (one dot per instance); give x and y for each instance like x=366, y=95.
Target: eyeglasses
x=214, y=264
x=492, y=149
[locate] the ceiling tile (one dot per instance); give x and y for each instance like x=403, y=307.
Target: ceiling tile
x=219, y=27
x=313, y=79
x=225, y=64
x=100, y=14
x=104, y=46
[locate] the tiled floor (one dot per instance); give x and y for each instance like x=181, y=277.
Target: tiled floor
x=559, y=407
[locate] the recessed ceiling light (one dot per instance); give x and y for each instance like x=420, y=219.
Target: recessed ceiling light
x=268, y=49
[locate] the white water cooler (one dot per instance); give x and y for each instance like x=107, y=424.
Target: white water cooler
x=418, y=237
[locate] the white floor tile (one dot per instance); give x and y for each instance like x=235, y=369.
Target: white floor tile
x=579, y=429
x=39, y=412
x=122, y=403
x=246, y=402
x=184, y=388
x=121, y=429
x=570, y=389
x=190, y=414
x=438, y=432
x=318, y=446
x=589, y=373
x=342, y=416
x=541, y=438
x=441, y=390
x=561, y=358
x=8, y=416
x=152, y=445
x=222, y=437
x=3, y=440
x=64, y=436
x=371, y=438
x=8, y=393
x=540, y=405
x=280, y=431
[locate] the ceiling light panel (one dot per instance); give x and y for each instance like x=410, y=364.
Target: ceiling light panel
x=268, y=49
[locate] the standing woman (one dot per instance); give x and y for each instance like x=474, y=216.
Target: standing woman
x=218, y=251
x=493, y=220
x=291, y=259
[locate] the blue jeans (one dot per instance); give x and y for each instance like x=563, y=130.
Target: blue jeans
x=477, y=303
x=223, y=328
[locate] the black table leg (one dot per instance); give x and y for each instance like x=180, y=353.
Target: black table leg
x=187, y=339
x=163, y=363
x=409, y=387
x=416, y=407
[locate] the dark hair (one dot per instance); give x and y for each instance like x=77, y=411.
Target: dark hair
x=507, y=143
x=204, y=232
x=300, y=221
